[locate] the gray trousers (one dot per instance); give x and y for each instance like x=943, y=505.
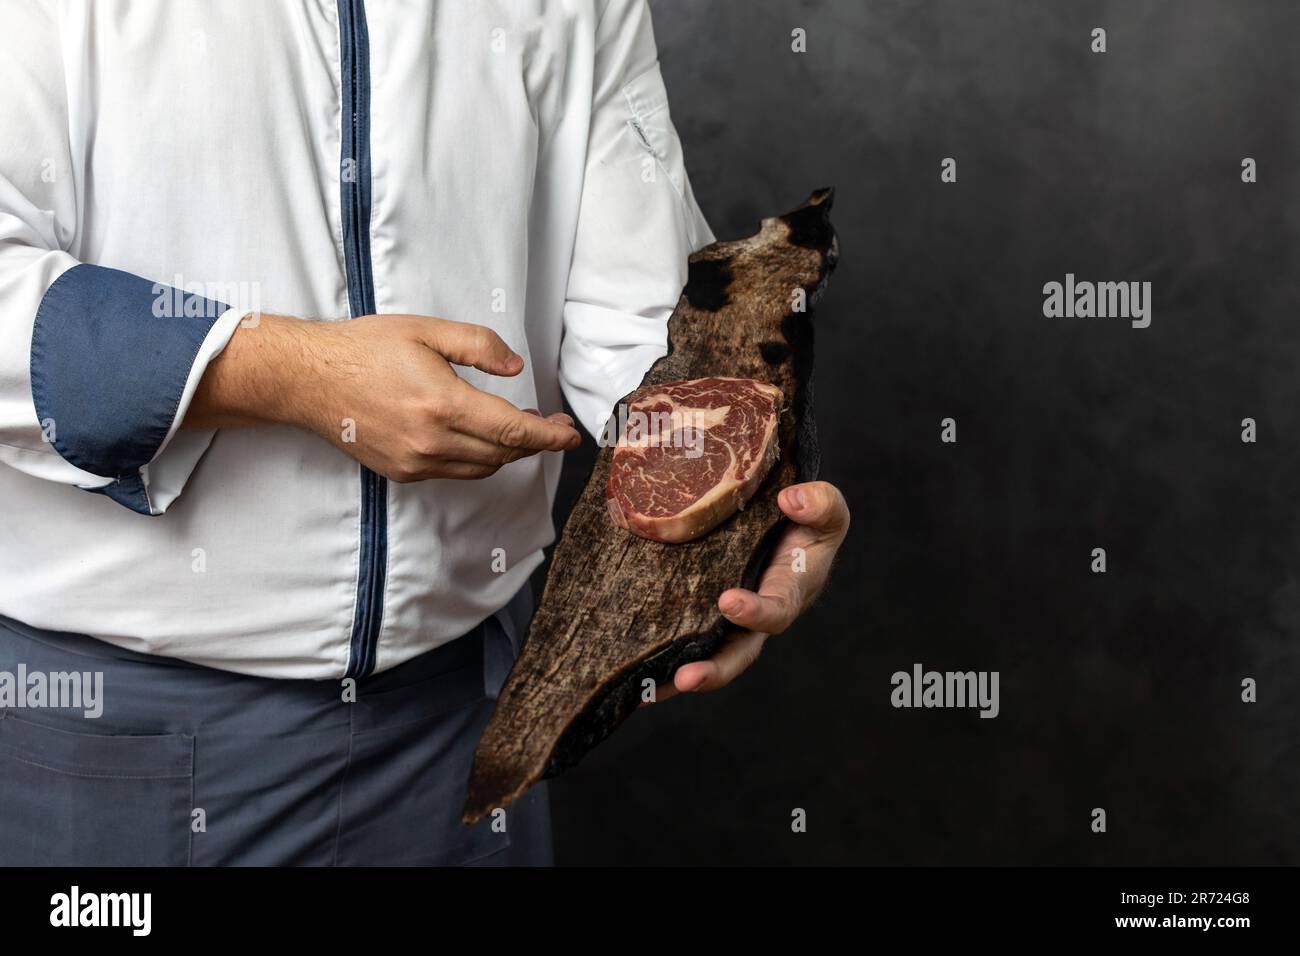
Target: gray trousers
x=193, y=766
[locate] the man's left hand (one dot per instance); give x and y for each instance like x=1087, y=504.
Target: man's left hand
x=799, y=567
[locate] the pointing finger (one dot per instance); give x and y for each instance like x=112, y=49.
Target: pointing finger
x=495, y=420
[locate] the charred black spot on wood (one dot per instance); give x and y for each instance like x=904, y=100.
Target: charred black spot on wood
x=774, y=353
x=797, y=327
x=810, y=226
x=707, y=283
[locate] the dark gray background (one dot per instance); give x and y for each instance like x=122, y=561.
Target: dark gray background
x=1119, y=690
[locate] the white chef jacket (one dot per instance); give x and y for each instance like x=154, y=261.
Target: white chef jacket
x=169, y=166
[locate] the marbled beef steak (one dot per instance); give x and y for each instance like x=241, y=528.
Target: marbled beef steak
x=619, y=611
x=690, y=454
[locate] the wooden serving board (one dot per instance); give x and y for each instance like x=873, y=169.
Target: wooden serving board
x=618, y=609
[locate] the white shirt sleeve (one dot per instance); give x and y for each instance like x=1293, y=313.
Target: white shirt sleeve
x=95, y=378
x=637, y=224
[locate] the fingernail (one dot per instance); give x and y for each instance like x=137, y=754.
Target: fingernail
x=732, y=606
x=796, y=499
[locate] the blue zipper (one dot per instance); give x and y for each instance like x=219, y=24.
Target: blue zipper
x=354, y=185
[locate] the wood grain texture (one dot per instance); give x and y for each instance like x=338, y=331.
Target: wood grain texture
x=618, y=609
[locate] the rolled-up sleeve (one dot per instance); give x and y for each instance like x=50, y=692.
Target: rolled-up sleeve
x=637, y=224
x=97, y=366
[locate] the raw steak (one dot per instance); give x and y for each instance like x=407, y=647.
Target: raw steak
x=690, y=454
x=620, y=611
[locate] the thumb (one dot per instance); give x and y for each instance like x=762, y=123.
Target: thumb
x=462, y=343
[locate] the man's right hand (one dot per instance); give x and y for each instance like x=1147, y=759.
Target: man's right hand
x=382, y=389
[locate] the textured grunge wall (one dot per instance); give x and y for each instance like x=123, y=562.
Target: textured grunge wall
x=1118, y=690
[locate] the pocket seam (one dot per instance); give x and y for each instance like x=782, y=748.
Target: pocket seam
x=9, y=752
x=57, y=755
